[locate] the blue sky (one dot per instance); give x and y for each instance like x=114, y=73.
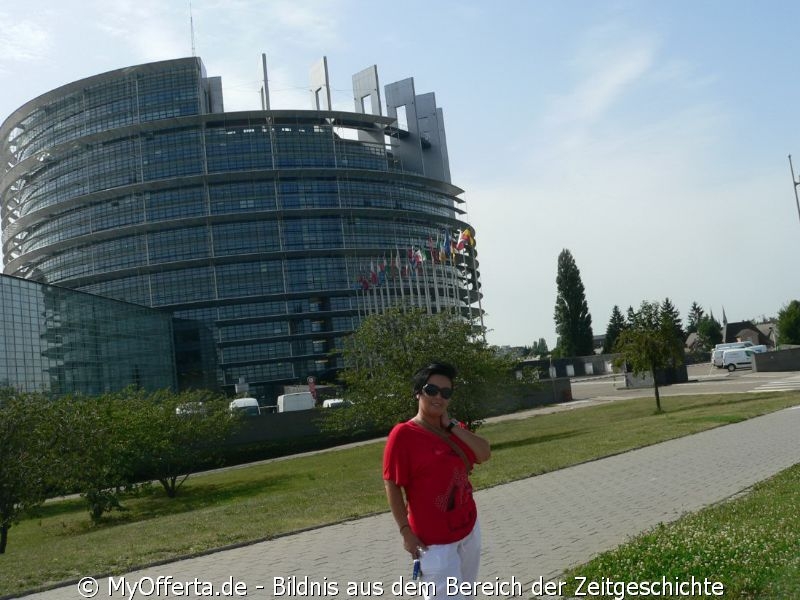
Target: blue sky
x=649, y=138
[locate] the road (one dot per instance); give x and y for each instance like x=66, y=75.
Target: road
x=703, y=379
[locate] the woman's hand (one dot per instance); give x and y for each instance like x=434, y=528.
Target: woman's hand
x=412, y=543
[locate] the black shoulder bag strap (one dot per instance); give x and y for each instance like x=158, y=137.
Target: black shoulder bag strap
x=446, y=438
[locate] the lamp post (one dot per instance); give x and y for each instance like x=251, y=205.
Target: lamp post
x=796, y=183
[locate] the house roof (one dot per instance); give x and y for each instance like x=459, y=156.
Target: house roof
x=732, y=331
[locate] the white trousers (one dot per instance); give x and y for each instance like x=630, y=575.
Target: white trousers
x=459, y=559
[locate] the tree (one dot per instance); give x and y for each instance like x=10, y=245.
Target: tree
x=789, y=323
x=650, y=345
x=94, y=437
x=23, y=462
x=383, y=354
x=540, y=348
x=671, y=318
x=648, y=316
x=616, y=324
x=709, y=333
x=693, y=319
x=177, y=434
x=572, y=317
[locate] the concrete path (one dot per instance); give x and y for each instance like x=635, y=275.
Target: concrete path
x=534, y=528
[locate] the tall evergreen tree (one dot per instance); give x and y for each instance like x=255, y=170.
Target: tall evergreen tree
x=540, y=347
x=696, y=313
x=630, y=317
x=572, y=317
x=648, y=316
x=671, y=319
x=616, y=324
x=709, y=332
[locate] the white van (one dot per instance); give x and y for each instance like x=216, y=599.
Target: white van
x=737, y=358
x=716, y=355
x=295, y=401
x=247, y=406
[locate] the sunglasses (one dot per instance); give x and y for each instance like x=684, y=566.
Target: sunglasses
x=431, y=389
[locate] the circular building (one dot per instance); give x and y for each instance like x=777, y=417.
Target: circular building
x=269, y=234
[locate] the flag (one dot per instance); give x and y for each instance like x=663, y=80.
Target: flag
x=373, y=275
x=382, y=271
x=432, y=251
x=465, y=239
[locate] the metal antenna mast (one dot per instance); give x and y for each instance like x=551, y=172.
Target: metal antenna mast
x=191, y=26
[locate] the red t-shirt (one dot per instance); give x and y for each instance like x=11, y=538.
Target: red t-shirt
x=440, y=506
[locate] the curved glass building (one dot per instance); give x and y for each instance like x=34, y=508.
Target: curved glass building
x=269, y=233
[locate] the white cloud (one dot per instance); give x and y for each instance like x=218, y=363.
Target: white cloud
x=606, y=82
x=22, y=41
x=148, y=28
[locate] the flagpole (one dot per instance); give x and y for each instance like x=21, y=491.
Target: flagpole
x=433, y=270
x=400, y=278
x=420, y=298
x=477, y=290
x=436, y=287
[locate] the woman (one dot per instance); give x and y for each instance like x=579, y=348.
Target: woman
x=428, y=459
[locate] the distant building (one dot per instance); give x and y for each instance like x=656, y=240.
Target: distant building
x=59, y=341
x=746, y=331
x=269, y=234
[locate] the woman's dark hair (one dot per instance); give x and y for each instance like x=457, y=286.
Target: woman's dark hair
x=435, y=368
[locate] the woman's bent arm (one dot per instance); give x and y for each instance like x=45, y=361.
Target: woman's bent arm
x=397, y=504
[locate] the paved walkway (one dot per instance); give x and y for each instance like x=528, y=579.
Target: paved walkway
x=532, y=528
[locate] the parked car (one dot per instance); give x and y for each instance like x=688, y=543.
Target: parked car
x=737, y=358
x=248, y=406
x=716, y=354
x=295, y=401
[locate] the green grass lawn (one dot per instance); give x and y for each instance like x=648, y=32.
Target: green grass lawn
x=262, y=501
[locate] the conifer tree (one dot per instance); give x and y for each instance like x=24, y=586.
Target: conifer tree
x=671, y=319
x=572, y=317
x=540, y=347
x=616, y=324
x=709, y=333
x=696, y=313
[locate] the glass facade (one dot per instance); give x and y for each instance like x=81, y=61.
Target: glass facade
x=59, y=341
x=268, y=234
